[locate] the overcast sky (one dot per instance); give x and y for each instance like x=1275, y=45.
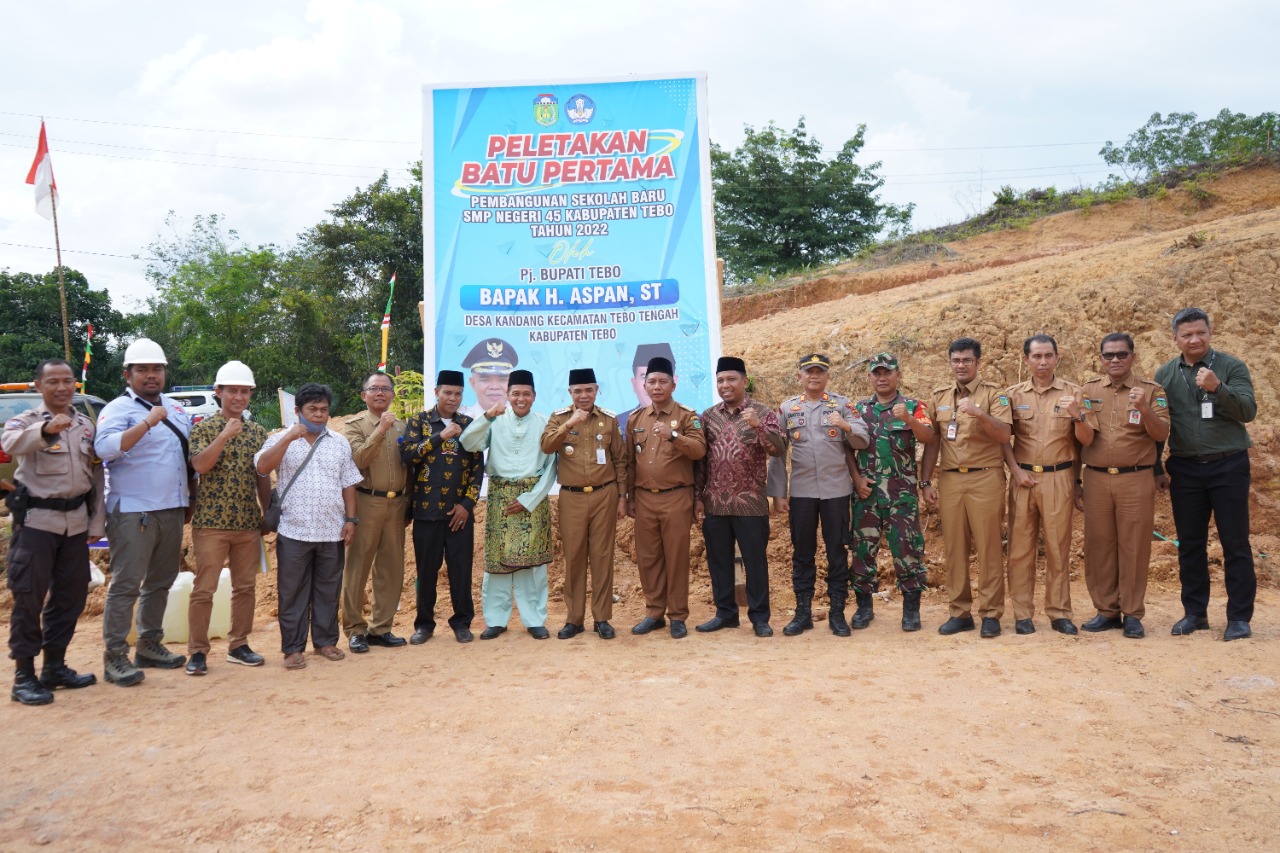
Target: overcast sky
x=268, y=113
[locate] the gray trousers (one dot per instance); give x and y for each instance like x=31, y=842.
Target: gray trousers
x=309, y=582
x=146, y=554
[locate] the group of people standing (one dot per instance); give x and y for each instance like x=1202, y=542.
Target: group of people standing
x=854, y=469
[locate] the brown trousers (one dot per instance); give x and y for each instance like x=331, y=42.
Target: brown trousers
x=588, y=528
x=663, y=524
x=1119, y=515
x=971, y=507
x=377, y=549
x=1046, y=507
x=238, y=550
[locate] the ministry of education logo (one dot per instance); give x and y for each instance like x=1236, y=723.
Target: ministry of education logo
x=546, y=110
x=580, y=109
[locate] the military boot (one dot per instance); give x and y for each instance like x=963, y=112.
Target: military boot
x=911, y=611
x=55, y=673
x=803, y=620
x=865, y=613
x=118, y=669
x=835, y=617
x=26, y=689
x=152, y=652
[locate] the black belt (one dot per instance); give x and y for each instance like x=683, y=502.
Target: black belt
x=587, y=489
x=377, y=494
x=1040, y=469
x=660, y=491
x=1212, y=457
x=60, y=504
x=962, y=470
x=1128, y=470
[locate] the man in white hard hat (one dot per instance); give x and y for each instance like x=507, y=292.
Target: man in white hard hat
x=226, y=529
x=142, y=438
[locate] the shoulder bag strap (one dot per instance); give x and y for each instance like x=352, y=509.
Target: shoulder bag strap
x=294, y=478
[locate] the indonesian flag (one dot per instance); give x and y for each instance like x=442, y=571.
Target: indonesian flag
x=386, y=325
x=41, y=175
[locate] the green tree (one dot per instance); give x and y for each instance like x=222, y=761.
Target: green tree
x=1169, y=142
x=32, y=328
x=781, y=206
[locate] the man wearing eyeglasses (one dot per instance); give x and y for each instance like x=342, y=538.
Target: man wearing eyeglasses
x=381, y=502
x=1210, y=400
x=1126, y=415
x=972, y=424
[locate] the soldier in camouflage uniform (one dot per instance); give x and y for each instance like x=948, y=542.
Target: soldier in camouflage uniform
x=884, y=496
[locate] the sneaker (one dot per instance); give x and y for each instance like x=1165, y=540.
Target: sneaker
x=152, y=652
x=118, y=669
x=244, y=655
x=196, y=664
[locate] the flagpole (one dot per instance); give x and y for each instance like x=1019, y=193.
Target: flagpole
x=62, y=286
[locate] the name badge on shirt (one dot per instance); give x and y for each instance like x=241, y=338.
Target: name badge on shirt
x=1135, y=417
x=599, y=455
x=1206, y=410
x=953, y=430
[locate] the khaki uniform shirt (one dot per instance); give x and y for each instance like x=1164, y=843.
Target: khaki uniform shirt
x=377, y=457
x=591, y=453
x=971, y=447
x=817, y=449
x=1118, y=443
x=1043, y=432
x=58, y=466
x=655, y=463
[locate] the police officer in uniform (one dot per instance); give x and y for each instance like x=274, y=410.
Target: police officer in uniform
x=1126, y=416
x=973, y=420
x=57, y=507
x=1044, y=463
x=819, y=426
x=592, y=469
x=664, y=439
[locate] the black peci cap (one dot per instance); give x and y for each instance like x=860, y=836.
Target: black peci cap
x=729, y=362
x=582, y=376
x=659, y=364
x=520, y=377
x=644, y=352
x=449, y=377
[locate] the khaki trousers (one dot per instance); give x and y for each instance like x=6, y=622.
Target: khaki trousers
x=238, y=550
x=663, y=523
x=1047, y=507
x=1119, y=516
x=972, y=507
x=377, y=549
x=588, y=528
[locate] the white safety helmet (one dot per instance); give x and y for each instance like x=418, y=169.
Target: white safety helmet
x=235, y=373
x=144, y=351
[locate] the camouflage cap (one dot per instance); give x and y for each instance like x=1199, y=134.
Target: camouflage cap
x=883, y=359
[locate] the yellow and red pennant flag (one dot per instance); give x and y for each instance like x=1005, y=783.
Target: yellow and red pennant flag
x=88, y=356
x=386, y=325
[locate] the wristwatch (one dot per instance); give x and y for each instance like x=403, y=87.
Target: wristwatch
x=351, y=519
x=926, y=483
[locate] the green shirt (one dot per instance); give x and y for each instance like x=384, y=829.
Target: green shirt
x=1233, y=406
x=228, y=495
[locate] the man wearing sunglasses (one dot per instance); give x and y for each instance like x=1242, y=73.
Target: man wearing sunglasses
x=1126, y=416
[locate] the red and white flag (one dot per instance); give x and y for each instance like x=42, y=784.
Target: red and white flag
x=41, y=175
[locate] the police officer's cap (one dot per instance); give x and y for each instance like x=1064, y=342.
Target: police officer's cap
x=582, y=376
x=644, y=352
x=883, y=359
x=449, y=377
x=492, y=355
x=815, y=360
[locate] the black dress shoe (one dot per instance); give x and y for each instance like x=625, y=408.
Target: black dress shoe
x=647, y=624
x=1237, y=629
x=762, y=629
x=464, y=635
x=387, y=640
x=569, y=631
x=539, y=632
x=990, y=628
x=358, y=644
x=715, y=623
x=1024, y=626
x=491, y=631
x=1101, y=623
x=605, y=630
x=955, y=625
x=1189, y=625
x=1133, y=628
x=678, y=629
x=420, y=636
x=1064, y=626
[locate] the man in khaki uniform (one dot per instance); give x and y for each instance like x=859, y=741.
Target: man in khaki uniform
x=381, y=505
x=1126, y=415
x=663, y=440
x=1044, y=464
x=972, y=422
x=592, y=469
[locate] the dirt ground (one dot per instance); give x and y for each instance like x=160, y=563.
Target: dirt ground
x=880, y=741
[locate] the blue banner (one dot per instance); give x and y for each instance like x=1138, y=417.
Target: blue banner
x=568, y=225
